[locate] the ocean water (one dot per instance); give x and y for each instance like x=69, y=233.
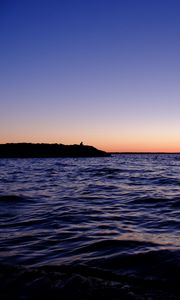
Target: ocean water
x=111, y=225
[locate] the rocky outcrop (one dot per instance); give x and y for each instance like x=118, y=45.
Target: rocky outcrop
x=25, y=150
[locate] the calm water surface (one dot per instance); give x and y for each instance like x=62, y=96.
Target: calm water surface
x=120, y=213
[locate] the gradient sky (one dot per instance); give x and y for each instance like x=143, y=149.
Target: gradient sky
x=105, y=72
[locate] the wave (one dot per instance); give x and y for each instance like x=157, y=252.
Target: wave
x=110, y=227
x=153, y=201
x=176, y=203
x=148, y=201
x=113, y=246
x=103, y=171
x=80, y=282
x=157, y=264
x=166, y=181
x=12, y=198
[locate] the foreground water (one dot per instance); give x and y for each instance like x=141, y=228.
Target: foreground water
x=116, y=219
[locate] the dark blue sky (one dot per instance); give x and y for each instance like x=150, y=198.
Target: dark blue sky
x=105, y=72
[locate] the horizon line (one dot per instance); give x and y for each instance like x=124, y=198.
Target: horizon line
x=110, y=152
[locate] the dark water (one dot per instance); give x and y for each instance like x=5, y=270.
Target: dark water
x=114, y=219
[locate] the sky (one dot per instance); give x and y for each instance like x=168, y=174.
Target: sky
x=105, y=72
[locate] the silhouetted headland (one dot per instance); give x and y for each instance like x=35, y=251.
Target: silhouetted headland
x=29, y=150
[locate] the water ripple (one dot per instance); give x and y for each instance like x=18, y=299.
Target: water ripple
x=108, y=212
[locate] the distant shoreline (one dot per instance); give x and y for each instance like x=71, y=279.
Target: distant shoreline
x=30, y=150
x=45, y=150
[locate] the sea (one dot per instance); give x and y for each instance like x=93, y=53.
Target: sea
x=87, y=228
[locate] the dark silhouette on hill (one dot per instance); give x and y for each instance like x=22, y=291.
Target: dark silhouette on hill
x=23, y=150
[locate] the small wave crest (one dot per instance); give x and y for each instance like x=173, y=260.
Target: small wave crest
x=12, y=198
x=153, y=201
x=104, y=171
x=113, y=246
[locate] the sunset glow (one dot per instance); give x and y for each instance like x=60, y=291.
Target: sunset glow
x=102, y=72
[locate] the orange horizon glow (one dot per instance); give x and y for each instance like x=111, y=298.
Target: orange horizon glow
x=125, y=146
